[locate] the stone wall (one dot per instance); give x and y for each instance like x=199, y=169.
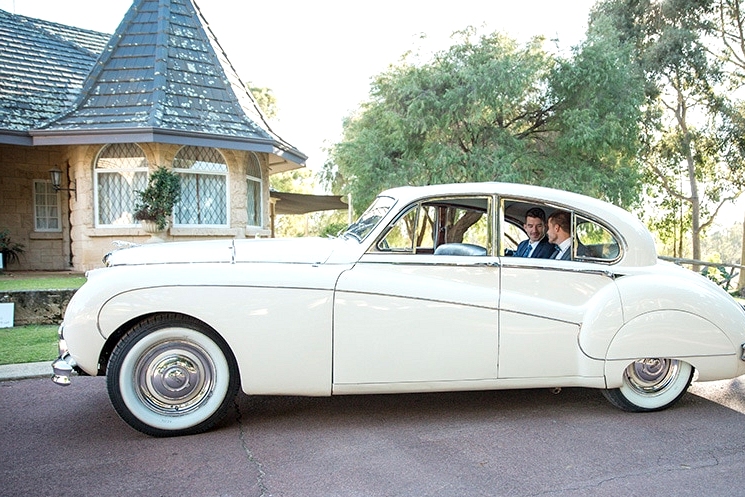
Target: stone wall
x=21, y=166
x=84, y=246
x=37, y=307
x=91, y=243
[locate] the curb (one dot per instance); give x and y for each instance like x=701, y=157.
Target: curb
x=26, y=371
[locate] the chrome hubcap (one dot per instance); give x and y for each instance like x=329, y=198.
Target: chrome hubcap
x=175, y=377
x=652, y=375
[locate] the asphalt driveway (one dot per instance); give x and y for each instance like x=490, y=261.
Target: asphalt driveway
x=69, y=441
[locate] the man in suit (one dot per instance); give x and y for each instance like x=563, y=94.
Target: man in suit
x=537, y=244
x=560, y=234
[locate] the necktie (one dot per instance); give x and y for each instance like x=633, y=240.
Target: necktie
x=555, y=255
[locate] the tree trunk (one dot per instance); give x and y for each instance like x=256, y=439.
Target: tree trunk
x=695, y=213
x=741, y=281
x=680, y=115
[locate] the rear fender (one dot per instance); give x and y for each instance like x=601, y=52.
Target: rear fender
x=672, y=334
x=669, y=333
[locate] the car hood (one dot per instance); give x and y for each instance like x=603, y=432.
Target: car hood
x=289, y=250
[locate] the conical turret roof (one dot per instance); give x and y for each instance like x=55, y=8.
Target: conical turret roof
x=163, y=77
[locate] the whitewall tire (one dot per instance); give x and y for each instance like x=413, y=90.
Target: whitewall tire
x=171, y=375
x=651, y=384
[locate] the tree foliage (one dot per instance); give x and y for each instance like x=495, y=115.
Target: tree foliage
x=728, y=28
x=265, y=99
x=491, y=109
x=692, y=134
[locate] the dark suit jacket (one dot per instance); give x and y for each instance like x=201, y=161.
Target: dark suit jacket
x=543, y=250
x=566, y=256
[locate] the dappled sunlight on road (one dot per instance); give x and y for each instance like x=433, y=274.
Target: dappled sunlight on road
x=728, y=393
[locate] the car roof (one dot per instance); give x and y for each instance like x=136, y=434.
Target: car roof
x=639, y=247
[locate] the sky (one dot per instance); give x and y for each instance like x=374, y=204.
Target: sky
x=318, y=56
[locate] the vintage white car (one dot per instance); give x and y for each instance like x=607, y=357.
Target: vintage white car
x=419, y=295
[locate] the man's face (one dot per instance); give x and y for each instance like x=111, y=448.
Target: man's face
x=535, y=228
x=553, y=232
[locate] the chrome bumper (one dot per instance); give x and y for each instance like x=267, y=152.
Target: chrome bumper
x=64, y=366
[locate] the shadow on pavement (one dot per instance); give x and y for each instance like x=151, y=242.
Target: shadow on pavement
x=69, y=441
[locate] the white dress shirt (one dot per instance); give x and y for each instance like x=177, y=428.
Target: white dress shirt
x=563, y=247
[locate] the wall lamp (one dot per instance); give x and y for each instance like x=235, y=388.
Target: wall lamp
x=56, y=175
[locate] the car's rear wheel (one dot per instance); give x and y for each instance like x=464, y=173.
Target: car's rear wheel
x=171, y=375
x=651, y=384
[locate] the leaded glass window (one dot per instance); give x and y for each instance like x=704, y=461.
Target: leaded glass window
x=204, y=187
x=46, y=207
x=253, y=190
x=120, y=171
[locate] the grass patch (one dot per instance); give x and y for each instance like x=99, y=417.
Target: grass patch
x=31, y=343
x=10, y=282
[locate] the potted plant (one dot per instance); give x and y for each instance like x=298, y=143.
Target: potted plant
x=155, y=203
x=9, y=250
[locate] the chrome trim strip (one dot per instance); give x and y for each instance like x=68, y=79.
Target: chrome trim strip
x=418, y=299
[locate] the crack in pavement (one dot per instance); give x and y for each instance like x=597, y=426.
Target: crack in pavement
x=597, y=483
x=260, y=481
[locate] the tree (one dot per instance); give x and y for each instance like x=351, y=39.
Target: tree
x=490, y=109
x=693, y=169
x=728, y=26
x=265, y=99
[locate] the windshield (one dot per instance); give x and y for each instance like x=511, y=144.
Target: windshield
x=369, y=219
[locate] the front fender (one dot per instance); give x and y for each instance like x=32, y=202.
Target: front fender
x=280, y=337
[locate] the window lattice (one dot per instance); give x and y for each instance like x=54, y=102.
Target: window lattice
x=199, y=159
x=120, y=171
x=46, y=207
x=253, y=168
x=253, y=190
x=204, y=192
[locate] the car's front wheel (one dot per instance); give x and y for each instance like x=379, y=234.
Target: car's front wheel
x=651, y=384
x=171, y=375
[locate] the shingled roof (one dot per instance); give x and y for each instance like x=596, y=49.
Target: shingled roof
x=42, y=67
x=162, y=77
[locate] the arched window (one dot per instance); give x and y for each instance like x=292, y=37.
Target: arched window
x=120, y=170
x=204, y=187
x=253, y=190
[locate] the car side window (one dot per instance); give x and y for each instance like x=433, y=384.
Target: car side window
x=431, y=223
x=474, y=227
x=511, y=222
x=512, y=235
x=594, y=242
x=412, y=231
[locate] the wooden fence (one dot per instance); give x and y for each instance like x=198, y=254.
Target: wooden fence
x=722, y=273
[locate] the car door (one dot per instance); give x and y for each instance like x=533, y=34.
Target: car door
x=545, y=303
x=421, y=305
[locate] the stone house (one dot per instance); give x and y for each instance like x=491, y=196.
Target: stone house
x=105, y=110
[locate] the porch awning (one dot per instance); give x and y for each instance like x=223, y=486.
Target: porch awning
x=300, y=203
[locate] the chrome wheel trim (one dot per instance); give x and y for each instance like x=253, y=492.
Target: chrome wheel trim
x=130, y=388
x=652, y=375
x=175, y=377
